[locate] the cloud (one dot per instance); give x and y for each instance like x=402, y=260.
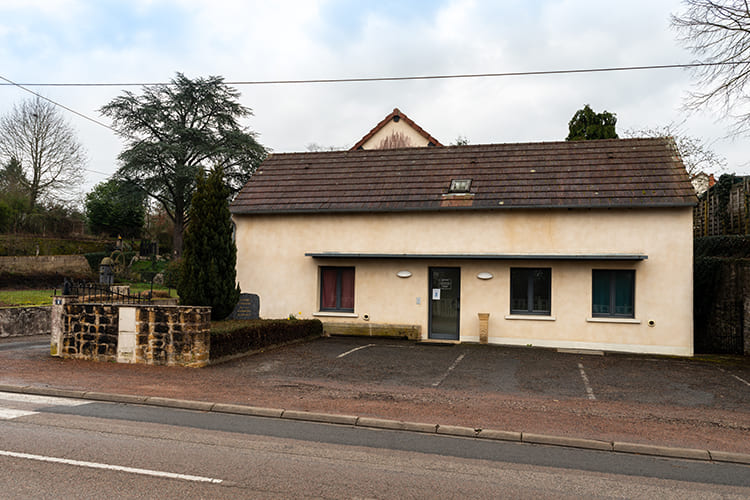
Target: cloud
x=144, y=41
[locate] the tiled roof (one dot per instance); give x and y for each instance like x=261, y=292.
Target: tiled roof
x=398, y=115
x=580, y=174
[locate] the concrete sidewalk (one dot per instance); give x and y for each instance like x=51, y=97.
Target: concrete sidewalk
x=273, y=384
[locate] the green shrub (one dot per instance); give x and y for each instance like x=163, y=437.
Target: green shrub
x=172, y=273
x=6, y=216
x=94, y=259
x=231, y=337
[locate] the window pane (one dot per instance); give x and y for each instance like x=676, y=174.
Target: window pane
x=600, y=303
x=541, y=290
x=328, y=278
x=519, y=290
x=624, y=293
x=347, y=288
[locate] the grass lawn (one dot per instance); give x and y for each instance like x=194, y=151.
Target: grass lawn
x=146, y=287
x=19, y=298
x=26, y=297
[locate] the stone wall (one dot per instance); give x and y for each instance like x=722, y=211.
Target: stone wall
x=25, y=321
x=412, y=332
x=90, y=331
x=147, y=334
x=173, y=335
x=46, y=264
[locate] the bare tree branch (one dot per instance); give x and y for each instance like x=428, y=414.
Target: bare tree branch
x=51, y=158
x=696, y=155
x=719, y=32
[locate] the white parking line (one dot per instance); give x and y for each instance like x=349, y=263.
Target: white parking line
x=589, y=390
x=119, y=468
x=45, y=400
x=735, y=376
x=10, y=413
x=354, y=350
x=449, y=370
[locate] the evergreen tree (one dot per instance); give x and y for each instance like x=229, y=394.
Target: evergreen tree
x=587, y=125
x=116, y=207
x=208, y=273
x=175, y=130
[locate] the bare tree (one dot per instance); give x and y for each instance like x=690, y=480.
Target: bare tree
x=37, y=136
x=696, y=155
x=718, y=32
x=314, y=147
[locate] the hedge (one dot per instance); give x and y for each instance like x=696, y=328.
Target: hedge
x=231, y=337
x=12, y=244
x=730, y=246
x=717, y=294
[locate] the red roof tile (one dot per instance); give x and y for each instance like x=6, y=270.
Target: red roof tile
x=586, y=174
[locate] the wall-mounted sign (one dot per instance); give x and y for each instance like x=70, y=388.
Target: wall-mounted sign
x=435, y=294
x=446, y=283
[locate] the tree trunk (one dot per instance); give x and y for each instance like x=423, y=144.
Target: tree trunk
x=179, y=227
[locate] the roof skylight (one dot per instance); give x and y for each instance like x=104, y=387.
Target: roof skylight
x=460, y=186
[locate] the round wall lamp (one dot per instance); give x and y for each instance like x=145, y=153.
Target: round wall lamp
x=403, y=274
x=484, y=276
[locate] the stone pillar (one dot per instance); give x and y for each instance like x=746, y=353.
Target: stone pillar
x=126, y=335
x=57, y=322
x=484, y=327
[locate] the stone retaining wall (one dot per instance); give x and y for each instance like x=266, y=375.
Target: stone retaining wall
x=412, y=332
x=46, y=264
x=25, y=321
x=147, y=334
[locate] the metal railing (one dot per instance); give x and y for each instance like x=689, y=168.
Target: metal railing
x=97, y=292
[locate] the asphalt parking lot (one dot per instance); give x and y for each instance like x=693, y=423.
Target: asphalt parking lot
x=716, y=382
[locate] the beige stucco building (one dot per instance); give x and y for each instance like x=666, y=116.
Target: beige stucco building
x=582, y=245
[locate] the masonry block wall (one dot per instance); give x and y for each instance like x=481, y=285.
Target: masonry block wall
x=90, y=332
x=173, y=335
x=161, y=335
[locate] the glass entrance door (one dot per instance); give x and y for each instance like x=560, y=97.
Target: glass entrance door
x=445, y=302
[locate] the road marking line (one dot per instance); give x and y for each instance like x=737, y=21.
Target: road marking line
x=450, y=369
x=47, y=400
x=354, y=350
x=589, y=390
x=742, y=380
x=119, y=468
x=10, y=414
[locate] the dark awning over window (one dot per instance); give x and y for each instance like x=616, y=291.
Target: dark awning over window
x=477, y=256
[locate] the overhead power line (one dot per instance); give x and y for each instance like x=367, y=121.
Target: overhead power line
x=23, y=86
x=391, y=78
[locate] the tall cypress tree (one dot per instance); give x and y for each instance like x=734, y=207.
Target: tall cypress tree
x=208, y=273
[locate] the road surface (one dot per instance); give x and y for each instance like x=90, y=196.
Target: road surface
x=66, y=448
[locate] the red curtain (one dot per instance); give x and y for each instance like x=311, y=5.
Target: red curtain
x=328, y=280
x=347, y=288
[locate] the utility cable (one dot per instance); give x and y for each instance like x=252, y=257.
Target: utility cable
x=395, y=78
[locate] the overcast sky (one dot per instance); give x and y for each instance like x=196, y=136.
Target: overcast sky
x=102, y=41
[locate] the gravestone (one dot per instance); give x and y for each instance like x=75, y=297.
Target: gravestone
x=248, y=307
